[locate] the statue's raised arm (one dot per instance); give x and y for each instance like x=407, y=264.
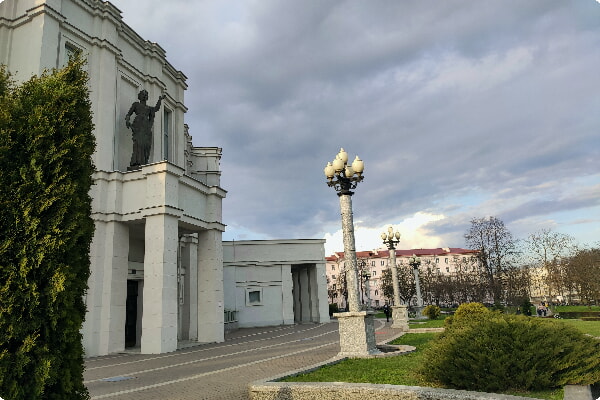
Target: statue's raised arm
x=158, y=102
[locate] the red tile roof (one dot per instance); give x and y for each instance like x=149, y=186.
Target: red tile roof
x=407, y=253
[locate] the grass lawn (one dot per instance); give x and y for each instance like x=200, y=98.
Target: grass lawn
x=426, y=323
x=560, y=309
x=394, y=370
x=391, y=370
x=589, y=327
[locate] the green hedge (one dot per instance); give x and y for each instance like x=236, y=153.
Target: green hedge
x=46, y=144
x=487, y=351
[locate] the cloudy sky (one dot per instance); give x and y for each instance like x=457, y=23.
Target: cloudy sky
x=459, y=109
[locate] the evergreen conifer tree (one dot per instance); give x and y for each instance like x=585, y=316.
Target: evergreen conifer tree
x=46, y=143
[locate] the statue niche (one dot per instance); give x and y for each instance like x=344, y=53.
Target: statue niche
x=141, y=129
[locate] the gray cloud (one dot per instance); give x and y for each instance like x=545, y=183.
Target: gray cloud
x=444, y=101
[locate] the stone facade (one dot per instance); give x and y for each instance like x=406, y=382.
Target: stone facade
x=157, y=257
x=276, y=282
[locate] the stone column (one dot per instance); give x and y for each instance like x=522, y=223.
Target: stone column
x=349, y=252
x=159, y=320
x=104, y=325
x=287, y=301
x=357, y=329
x=210, y=287
x=190, y=260
x=321, y=295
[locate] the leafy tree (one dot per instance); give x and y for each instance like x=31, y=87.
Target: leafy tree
x=46, y=143
x=386, y=284
x=406, y=284
x=497, y=249
x=584, y=272
x=547, y=249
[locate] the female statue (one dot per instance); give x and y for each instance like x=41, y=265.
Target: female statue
x=142, y=128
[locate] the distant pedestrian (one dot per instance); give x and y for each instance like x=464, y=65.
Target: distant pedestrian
x=387, y=312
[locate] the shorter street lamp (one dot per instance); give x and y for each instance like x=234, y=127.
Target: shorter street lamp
x=391, y=239
x=366, y=276
x=415, y=262
x=399, y=314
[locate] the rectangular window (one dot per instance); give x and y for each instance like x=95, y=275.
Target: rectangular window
x=254, y=297
x=372, y=263
x=70, y=51
x=382, y=262
x=166, y=133
x=332, y=276
x=446, y=260
x=447, y=269
x=333, y=267
x=374, y=273
x=437, y=260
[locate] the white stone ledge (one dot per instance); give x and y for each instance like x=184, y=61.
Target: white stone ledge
x=362, y=391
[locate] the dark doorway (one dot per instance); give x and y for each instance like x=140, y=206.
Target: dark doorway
x=131, y=309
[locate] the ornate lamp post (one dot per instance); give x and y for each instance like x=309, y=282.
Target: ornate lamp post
x=366, y=276
x=415, y=262
x=399, y=314
x=357, y=332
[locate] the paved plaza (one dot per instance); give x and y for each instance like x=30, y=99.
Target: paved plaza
x=219, y=370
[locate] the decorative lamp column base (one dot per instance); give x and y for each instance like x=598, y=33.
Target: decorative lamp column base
x=400, y=318
x=419, y=312
x=357, y=334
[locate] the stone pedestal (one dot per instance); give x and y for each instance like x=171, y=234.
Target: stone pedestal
x=419, y=312
x=357, y=334
x=400, y=318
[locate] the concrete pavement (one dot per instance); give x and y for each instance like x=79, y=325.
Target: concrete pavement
x=218, y=370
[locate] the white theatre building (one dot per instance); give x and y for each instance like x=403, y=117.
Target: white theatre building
x=157, y=257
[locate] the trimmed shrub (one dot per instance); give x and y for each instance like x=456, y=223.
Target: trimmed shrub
x=495, y=352
x=467, y=312
x=432, y=312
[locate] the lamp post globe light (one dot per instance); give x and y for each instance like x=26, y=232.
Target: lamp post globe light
x=356, y=327
x=415, y=262
x=399, y=314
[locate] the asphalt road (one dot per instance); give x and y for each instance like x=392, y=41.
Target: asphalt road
x=213, y=371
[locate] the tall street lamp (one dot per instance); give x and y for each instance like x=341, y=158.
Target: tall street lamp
x=356, y=327
x=399, y=314
x=415, y=262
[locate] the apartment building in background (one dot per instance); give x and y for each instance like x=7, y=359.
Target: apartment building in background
x=445, y=260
